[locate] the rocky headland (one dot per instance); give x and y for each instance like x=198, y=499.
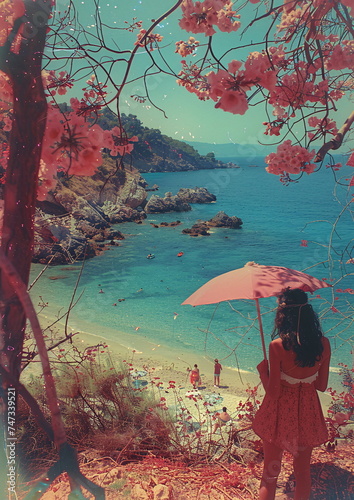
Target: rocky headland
x=202, y=228
x=179, y=202
x=75, y=221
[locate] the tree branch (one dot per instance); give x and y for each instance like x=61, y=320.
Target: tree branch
x=337, y=140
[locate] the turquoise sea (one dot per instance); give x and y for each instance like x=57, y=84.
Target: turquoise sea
x=288, y=226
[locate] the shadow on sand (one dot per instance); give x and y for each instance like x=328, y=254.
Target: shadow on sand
x=329, y=482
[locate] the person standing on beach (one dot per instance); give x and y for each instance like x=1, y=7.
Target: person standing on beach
x=290, y=417
x=194, y=376
x=217, y=370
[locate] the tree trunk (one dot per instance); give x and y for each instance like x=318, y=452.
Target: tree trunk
x=20, y=190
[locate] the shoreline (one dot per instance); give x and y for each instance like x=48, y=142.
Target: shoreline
x=169, y=364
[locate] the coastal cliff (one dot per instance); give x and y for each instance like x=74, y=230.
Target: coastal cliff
x=156, y=152
x=74, y=222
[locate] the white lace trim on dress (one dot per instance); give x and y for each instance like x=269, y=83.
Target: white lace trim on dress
x=293, y=380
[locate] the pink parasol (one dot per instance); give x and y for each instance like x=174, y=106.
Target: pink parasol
x=253, y=281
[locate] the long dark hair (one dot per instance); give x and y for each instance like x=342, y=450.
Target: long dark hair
x=297, y=324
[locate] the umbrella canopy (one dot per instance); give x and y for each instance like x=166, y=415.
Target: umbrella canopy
x=253, y=281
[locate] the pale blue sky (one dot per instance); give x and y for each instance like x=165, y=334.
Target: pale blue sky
x=187, y=118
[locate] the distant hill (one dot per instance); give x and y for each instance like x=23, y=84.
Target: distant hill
x=156, y=152
x=229, y=150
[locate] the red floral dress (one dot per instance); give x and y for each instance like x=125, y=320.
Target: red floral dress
x=294, y=421
x=194, y=376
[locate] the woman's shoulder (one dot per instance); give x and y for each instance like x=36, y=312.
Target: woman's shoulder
x=276, y=343
x=276, y=346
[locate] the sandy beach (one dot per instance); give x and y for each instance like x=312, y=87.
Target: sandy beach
x=163, y=365
x=165, y=372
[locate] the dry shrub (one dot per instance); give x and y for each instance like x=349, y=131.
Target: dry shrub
x=34, y=446
x=101, y=410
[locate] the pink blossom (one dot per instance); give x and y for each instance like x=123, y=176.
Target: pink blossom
x=149, y=41
x=194, y=81
x=234, y=66
x=295, y=90
x=273, y=128
x=227, y=19
x=350, y=161
x=200, y=17
x=258, y=68
x=46, y=179
x=293, y=17
x=341, y=57
x=322, y=127
x=233, y=101
x=121, y=143
x=57, y=83
x=291, y=159
x=235, y=84
x=187, y=48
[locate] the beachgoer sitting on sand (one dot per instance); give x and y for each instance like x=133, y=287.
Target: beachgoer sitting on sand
x=223, y=418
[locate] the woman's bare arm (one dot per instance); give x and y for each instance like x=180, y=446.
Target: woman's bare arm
x=271, y=378
x=322, y=379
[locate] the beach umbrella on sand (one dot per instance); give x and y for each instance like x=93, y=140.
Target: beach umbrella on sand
x=253, y=281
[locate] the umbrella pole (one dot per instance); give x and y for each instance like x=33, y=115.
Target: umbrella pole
x=261, y=328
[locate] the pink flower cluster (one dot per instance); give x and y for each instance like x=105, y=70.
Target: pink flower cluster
x=322, y=127
x=71, y=143
x=229, y=88
x=293, y=17
x=149, y=41
x=350, y=161
x=59, y=84
x=200, y=17
x=193, y=81
x=341, y=57
x=187, y=48
x=289, y=158
x=274, y=127
x=289, y=78
x=93, y=99
x=296, y=90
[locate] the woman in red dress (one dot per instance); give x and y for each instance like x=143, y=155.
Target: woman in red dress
x=290, y=417
x=194, y=377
